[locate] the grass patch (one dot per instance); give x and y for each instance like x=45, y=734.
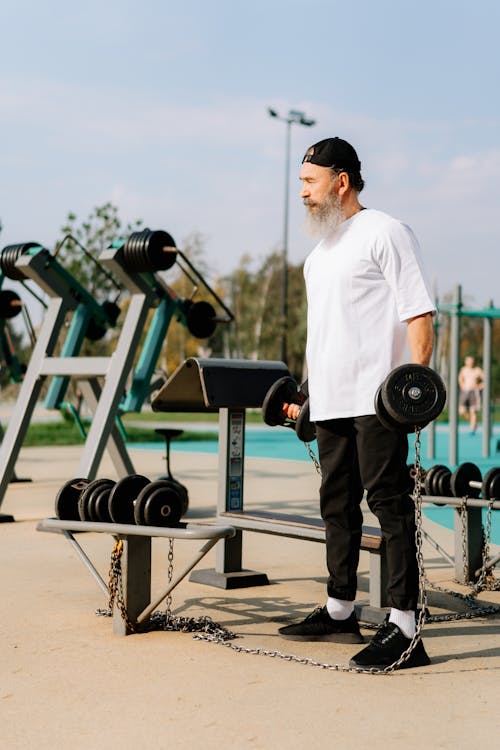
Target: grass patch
x=252, y=415
x=67, y=433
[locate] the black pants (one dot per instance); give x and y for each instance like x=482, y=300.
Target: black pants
x=357, y=453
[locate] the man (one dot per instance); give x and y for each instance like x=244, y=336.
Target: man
x=367, y=298
x=470, y=380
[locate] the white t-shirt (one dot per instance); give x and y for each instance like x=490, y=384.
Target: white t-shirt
x=363, y=281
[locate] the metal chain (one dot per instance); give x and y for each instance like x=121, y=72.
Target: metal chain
x=207, y=630
x=486, y=580
x=463, y=520
x=469, y=600
x=115, y=586
x=313, y=458
x=170, y=573
x=422, y=597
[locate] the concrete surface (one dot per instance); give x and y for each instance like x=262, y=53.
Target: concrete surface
x=67, y=681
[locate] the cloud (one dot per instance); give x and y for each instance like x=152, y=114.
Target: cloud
x=218, y=167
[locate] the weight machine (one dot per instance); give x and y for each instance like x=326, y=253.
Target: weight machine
x=134, y=263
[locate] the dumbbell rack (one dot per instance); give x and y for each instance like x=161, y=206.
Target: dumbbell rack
x=103, y=400
x=136, y=567
x=444, y=487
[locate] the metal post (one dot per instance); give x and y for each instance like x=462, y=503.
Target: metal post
x=431, y=429
x=468, y=543
x=228, y=573
x=284, y=278
x=455, y=325
x=136, y=578
x=230, y=486
x=299, y=118
x=487, y=352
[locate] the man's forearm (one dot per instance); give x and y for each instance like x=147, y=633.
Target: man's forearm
x=421, y=338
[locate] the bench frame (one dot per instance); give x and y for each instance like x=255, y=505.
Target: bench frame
x=136, y=559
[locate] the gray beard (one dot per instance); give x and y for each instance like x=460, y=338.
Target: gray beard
x=326, y=218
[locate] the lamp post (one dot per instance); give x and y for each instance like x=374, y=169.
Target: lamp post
x=297, y=118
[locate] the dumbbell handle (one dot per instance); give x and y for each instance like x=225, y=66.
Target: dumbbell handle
x=476, y=485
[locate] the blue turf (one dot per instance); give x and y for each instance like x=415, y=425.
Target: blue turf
x=267, y=442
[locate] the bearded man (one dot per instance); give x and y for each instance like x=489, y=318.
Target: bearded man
x=368, y=303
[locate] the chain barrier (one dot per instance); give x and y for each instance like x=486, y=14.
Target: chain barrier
x=486, y=580
x=115, y=587
x=204, y=628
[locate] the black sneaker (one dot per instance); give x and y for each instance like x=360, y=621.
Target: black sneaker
x=319, y=626
x=385, y=648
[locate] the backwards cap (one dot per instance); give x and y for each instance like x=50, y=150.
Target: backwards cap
x=334, y=153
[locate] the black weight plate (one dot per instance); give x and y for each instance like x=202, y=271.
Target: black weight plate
x=382, y=414
x=10, y=304
x=87, y=497
x=66, y=505
x=159, y=258
x=305, y=429
x=8, y=259
x=100, y=503
x=200, y=319
x=181, y=489
x=463, y=474
x=139, y=510
x=112, y=310
x=160, y=504
x=443, y=481
x=283, y=391
x=122, y=497
x=436, y=481
x=97, y=329
x=132, y=251
x=491, y=484
x=429, y=487
x=413, y=395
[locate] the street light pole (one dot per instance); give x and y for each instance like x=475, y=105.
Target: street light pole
x=293, y=117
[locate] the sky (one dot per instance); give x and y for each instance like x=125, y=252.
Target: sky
x=162, y=108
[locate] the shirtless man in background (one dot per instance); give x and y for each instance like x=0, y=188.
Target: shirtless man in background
x=470, y=380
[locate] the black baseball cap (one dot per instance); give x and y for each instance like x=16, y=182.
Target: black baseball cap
x=334, y=153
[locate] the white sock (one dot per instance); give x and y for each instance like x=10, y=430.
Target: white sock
x=405, y=620
x=339, y=609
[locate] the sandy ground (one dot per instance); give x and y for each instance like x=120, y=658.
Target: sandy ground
x=66, y=680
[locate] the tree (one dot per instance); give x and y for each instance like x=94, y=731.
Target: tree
x=255, y=298
x=180, y=343
x=91, y=237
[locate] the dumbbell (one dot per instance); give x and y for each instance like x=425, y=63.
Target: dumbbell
x=410, y=397
x=465, y=480
x=285, y=391
x=436, y=481
x=84, y=500
x=133, y=499
x=66, y=505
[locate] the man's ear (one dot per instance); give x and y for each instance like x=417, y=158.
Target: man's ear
x=343, y=183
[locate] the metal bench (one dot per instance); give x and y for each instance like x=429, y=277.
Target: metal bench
x=313, y=530
x=136, y=559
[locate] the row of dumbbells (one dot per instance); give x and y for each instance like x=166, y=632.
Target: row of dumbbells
x=132, y=500
x=465, y=481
